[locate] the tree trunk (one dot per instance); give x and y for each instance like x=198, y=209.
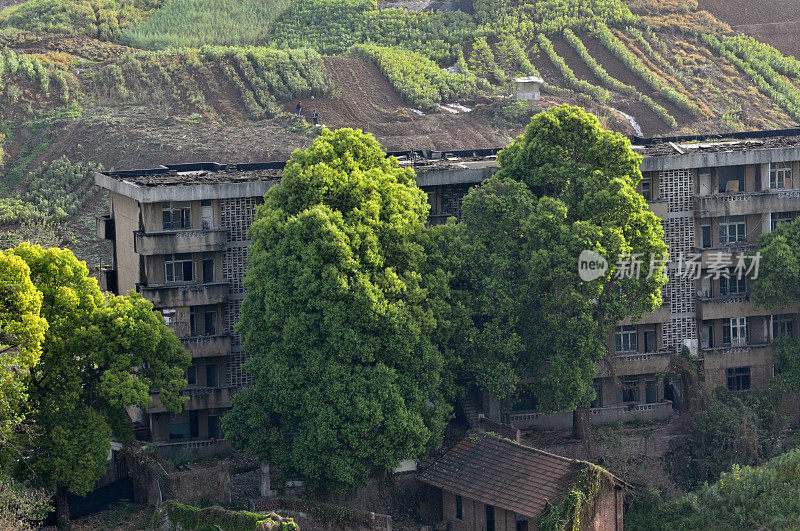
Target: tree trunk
x=265, y=480
x=580, y=423
x=62, y=508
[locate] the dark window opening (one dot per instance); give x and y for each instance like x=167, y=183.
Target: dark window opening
x=176, y=216
x=459, y=507
x=208, y=270
x=211, y=323
x=731, y=179
x=489, y=518
x=212, y=375
x=214, y=428
x=629, y=391
x=739, y=378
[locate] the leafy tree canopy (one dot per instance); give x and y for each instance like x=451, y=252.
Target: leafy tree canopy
x=100, y=353
x=566, y=185
x=339, y=318
x=21, y=335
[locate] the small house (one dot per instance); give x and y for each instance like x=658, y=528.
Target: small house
x=488, y=483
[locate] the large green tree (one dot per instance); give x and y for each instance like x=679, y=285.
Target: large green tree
x=339, y=319
x=22, y=331
x=100, y=353
x=564, y=186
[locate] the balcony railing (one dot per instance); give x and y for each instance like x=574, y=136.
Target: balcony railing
x=207, y=346
x=199, y=398
x=742, y=203
x=732, y=348
x=600, y=415
x=188, y=294
x=179, y=241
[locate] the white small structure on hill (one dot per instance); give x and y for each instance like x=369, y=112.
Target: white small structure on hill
x=527, y=89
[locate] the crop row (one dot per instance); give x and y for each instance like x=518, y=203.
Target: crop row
x=762, y=74
x=615, y=84
x=753, y=51
x=621, y=52
x=526, y=19
x=103, y=20
x=598, y=93
x=418, y=80
x=53, y=193
x=482, y=62
x=333, y=26
x=35, y=70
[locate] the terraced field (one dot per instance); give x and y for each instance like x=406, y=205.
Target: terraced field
x=160, y=82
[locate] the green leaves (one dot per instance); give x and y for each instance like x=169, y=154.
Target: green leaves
x=339, y=319
x=99, y=354
x=564, y=186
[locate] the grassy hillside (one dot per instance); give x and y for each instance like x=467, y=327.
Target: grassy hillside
x=219, y=79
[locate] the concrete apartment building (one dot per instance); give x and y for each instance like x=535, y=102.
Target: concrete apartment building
x=180, y=238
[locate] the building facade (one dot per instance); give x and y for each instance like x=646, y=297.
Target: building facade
x=180, y=238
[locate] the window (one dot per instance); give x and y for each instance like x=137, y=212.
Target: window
x=629, y=391
x=214, y=427
x=705, y=234
x=651, y=391
x=783, y=325
x=207, y=213
x=191, y=374
x=192, y=323
x=650, y=341
x=625, y=339
x=734, y=331
x=707, y=336
x=212, y=375
x=459, y=507
x=176, y=215
x=731, y=229
x=739, y=378
x=780, y=217
x=731, y=179
x=780, y=175
x=522, y=522
x=179, y=267
x=210, y=318
x=598, y=393
x=179, y=428
x=208, y=270
x=646, y=190
x=732, y=286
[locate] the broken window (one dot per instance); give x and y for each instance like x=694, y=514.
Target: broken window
x=780, y=175
x=738, y=378
x=629, y=391
x=625, y=339
x=176, y=215
x=731, y=179
x=646, y=193
x=179, y=267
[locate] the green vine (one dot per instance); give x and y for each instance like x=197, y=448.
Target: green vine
x=579, y=502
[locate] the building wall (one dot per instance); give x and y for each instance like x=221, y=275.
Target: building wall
x=608, y=511
x=126, y=221
x=474, y=515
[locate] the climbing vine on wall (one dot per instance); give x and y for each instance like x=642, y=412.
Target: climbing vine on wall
x=579, y=502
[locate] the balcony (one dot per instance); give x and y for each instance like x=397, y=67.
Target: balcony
x=725, y=254
x=207, y=346
x=104, y=225
x=634, y=411
x=181, y=295
x=629, y=364
x=107, y=279
x=199, y=398
x=740, y=305
x=179, y=241
x=743, y=203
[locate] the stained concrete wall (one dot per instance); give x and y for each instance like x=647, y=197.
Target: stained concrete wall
x=126, y=219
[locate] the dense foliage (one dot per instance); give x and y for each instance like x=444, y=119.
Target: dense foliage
x=100, y=354
x=418, y=80
x=332, y=26
x=339, y=316
x=564, y=186
x=194, y=23
x=180, y=516
x=54, y=193
x=762, y=497
x=102, y=19
x=21, y=508
x=22, y=331
x=34, y=69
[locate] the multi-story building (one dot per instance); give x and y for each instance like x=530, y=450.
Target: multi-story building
x=180, y=239
x=179, y=236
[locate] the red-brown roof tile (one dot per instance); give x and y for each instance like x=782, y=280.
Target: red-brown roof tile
x=504, y=474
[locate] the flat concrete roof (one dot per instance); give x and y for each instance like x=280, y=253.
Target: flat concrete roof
x=211, y=180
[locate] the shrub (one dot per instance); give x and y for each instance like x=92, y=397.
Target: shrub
x=482, y=63
x=417, y=79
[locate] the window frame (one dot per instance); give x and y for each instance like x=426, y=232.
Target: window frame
x=729, y=222
x=626, y=336
x=778, y=172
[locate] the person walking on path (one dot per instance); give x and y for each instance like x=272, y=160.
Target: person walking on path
x=299, y=108
x=315, y=117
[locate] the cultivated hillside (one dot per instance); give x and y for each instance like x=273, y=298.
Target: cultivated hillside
x=132, y=83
